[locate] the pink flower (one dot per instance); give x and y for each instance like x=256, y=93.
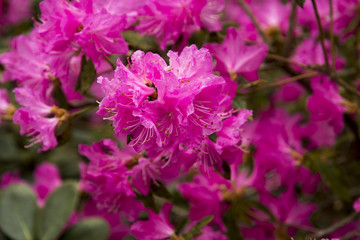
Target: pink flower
x=144, y=172
x=119, y=229
x=233, y=56
x=87, y=27
x=209, y=234
x=326, y=104
x=357, y=205
x=163, y=107
x=289, y=92
x=9, y=178
x=47, y=179
x=14, y=11
x=157, y=227
x=38, y=118
x=205, y=197
x=310, y=52
x=169, y=19
x=232, y=129
x=31, y=66
x=100, y=35
x=106, y=178
x=25, y=62
x=275, y=20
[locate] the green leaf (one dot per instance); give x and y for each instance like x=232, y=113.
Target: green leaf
x=334, y=179
x=57, y=210
x=17, y=212
x=87, y=75
x=231, y=223
x=239, y=102
x=3, y=237
x=59, y=95
x=88, y=229
x=129, y=138
x=137, y=41
x=300, y=3
x=263, y=208
x=196, y=230
x=160, y=190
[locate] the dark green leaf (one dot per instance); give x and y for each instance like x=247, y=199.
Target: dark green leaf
x=239, y=102
x=148, y=201
x=87, y=75
x=59, y=95
x=57, y=210
x=3, y=237
x=263, y=208
x=137, y=41
x=300, y=3
x=231, y=223
x=196, y=230
x=334, y=179
x=129, y=138
x=88, y=229
x=17, y=212
x=160, y=190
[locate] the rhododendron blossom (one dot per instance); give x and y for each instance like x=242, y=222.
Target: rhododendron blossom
x=179, y=119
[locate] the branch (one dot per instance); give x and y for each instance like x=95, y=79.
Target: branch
x=285, y=81
x=248, y=11
x=336, y=226
x=332, y=37
x=321, y=34
x=290, y=31
x=82, y=111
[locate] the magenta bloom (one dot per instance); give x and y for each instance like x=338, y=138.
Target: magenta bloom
x=209, y=234
x=119, y=230
x=326, y=104
x=14, y=11
x=106, y=178
x=144, y=172
x=25, y=62
x=47, y=179
x=275, y=20
x=309, y=52
x=233, y=56
x=231, y=133
x=158, y=227
x=169, y=19
x=205, y=197
x=38, y=117
x=30, y=65
x=88, y=27
x=356, y=205
x=161, y=107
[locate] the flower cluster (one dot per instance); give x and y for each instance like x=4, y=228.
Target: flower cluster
x=230, y=119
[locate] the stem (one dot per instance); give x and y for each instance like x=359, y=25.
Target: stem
x=336, y=226
x=302, y=228
x=334, y=77
x=82, y=111
x=332, y=37
x=321, y=34
x=346, y=85
x=285, y=81
x=248, y=11
x=351, y=235
x=290, y=31
x=110, y=62
x=286, y=60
